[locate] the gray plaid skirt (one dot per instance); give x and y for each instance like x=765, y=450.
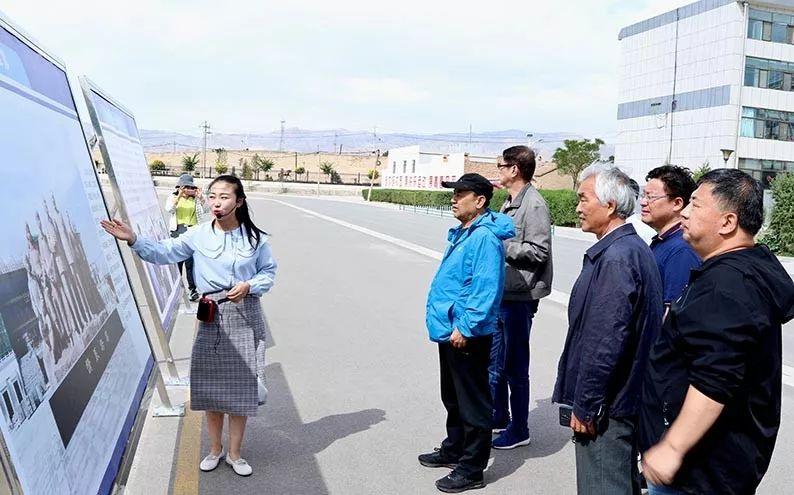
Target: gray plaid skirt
x=228, y=355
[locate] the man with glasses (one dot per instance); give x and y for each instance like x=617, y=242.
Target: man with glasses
x=528, y=274
x=666, y=195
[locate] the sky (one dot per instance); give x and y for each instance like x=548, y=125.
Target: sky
x=418, y=66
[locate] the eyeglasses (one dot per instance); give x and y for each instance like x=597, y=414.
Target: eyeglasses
x=504, y=165
x=190, y=188
x=651, y=199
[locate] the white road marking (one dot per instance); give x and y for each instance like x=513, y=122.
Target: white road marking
x=378, y=235
x=556, y=296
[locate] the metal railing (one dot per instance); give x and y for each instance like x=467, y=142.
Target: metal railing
x=441, y=211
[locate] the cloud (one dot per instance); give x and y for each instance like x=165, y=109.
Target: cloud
x=384, y=90
x=414, y=66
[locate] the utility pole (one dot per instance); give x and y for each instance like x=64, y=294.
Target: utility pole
x=374, y=137
x=206, y=128
x=336, y=135
x=281, y=139
x=469, y=138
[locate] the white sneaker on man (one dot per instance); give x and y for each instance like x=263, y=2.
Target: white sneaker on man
x=211, y=462
x=240, y=466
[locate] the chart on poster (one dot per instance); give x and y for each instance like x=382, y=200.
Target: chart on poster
x=126, y=165
x=73, y=352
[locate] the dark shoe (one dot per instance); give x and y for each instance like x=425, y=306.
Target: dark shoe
x=510, y=440
x=194, y=295
x=455, y=482
x=436, y=460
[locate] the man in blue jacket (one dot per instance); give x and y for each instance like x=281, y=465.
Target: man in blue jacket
x=614, y=315
x=462, y=311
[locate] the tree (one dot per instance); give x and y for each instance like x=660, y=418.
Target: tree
x=157, y=166
x=335, y=177
x=247, y=171
x=701, y=171
x=575, y=156
x=780, y=235
x=221, y=157
x=266, y=164
x=328, y=169
x=373, y=174
x=189, y=162
x=300, y=171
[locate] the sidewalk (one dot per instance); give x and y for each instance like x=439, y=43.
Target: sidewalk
x=157, y=454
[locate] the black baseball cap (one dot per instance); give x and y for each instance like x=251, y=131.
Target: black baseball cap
x=472, y=182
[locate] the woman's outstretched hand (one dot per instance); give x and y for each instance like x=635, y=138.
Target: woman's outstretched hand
x=119, y=230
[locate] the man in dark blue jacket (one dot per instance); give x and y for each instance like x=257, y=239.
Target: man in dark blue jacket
x=614, y=315
x=462, y=312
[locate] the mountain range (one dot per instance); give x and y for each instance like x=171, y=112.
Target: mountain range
x=489, y=143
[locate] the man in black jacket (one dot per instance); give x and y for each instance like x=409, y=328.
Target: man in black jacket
x=712, y=391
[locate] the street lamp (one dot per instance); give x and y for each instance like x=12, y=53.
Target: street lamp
x=726, y=154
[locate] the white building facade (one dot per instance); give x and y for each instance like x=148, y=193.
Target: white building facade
x=710, y=76
x=409, y=168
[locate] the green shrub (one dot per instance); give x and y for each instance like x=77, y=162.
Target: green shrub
x=562, y=202
x=157, y=166
x=780, y=235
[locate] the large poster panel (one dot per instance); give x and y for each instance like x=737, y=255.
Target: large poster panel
x=73, y=352
x=126, y=165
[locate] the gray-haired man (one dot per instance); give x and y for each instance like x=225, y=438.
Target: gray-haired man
x=614, y=315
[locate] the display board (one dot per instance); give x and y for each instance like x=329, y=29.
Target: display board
x=132, y=183
x=73, y=353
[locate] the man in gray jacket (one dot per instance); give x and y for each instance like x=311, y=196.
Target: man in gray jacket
x=527, y=279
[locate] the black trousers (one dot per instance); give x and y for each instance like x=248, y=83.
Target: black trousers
x=466, y=395
x=188, y=263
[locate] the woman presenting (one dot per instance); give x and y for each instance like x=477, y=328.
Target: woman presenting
x=233, y=265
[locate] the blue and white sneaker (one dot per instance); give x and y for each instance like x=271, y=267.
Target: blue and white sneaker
x=509, y=440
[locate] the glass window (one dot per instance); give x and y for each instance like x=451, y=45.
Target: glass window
x=748, y=128
x=7, y=402
x=781, y=18
x=761, y=15
x=751, y=77
x=786, y=82
x=394, y=167
x=763, y=78
x=758, y=63
x=749, y=164
x=775, y=80
x=783, y=132
x=413, y=166
x=759, y=129
x=755, y=29
x=779, y=33
x=748, y=112
x=405, y=166
x=777, y=65
x=766, y=34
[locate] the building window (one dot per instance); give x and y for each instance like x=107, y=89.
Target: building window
x=413, y=166
x=405, y=166
x=18, y=391
x=765, y=170
x=7, y=402
x=769, y=26
x=762, y=123
x=765, y=73
x=394, y=167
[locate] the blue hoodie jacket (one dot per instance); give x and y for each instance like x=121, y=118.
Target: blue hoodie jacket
x=467, y=289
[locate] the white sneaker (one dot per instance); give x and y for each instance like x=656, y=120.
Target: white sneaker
x=211, y=462
x=240, y=466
